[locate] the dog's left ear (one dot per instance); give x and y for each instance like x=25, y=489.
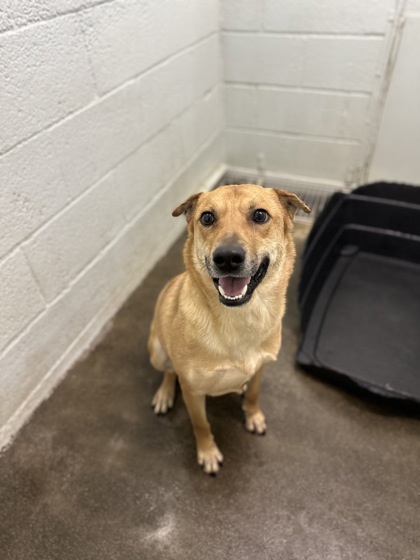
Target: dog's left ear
x=187, y=207
x=292, y=202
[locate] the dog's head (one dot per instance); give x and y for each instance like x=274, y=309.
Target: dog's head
x=238, y=234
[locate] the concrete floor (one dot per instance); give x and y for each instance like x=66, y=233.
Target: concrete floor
x=95, y=475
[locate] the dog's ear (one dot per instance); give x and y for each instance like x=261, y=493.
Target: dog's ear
x=187, y=207
x=291, y=202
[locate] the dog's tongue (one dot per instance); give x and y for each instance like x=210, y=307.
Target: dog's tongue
x=233, y=286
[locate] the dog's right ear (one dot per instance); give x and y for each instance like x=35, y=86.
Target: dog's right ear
x=187, y=207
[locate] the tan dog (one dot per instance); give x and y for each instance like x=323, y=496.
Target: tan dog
x=217, y=324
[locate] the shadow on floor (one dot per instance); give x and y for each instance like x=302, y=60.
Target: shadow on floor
x=95, y=475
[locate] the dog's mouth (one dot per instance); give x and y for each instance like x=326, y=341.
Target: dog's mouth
x=237, y=290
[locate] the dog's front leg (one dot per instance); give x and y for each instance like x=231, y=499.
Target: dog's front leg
x=254, y=417
x=208, y=454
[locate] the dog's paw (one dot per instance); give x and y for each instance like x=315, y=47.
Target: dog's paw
x=163, y=401
x=255, y=423
x=210, y=459
x=165, y=395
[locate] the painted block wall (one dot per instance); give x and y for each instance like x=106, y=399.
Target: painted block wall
x=112, y=113
x=396, y=153
x=302, y=81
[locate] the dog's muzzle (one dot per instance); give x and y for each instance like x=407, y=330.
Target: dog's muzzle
x=234, y=285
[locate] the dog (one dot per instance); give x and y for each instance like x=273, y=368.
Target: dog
x=218, y=324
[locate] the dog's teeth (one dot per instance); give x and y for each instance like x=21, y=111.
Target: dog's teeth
x=233, y=298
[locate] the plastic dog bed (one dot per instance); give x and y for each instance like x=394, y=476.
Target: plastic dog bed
x=360, y=291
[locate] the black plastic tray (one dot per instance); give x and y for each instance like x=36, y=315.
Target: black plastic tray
x=361, y=315
x=359, y=290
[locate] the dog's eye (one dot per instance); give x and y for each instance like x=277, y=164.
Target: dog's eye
x=207, y=218
x=260, y=216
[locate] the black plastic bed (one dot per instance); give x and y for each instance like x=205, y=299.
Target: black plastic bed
x=359, y=290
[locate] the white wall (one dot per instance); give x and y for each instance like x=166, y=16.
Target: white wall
x=302, y=79
x=112, y=113
x=397, y=152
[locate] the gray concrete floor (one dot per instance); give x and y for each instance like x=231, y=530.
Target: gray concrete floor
x=95, y=475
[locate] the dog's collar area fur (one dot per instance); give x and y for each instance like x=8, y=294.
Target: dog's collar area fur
x=247, y=290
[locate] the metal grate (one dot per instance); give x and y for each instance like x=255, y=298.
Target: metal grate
x=314, y=195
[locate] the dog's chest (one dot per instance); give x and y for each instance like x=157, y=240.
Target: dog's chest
x=229, y=376
x=227, y=356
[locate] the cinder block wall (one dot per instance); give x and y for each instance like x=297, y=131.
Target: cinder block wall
x=301, y=80
x=112, y=113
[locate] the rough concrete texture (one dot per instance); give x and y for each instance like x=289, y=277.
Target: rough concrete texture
x=95, y=475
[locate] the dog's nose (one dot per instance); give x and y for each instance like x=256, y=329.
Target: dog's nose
x=229, y=258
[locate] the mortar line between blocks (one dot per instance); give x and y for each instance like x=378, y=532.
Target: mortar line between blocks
x=30, y=24
x=9, y=254
x=296, y=89
x=34, y=276
x=285, y=87
x=44, y=301
x=294, y=135
x=303, y=34
x=148, y=69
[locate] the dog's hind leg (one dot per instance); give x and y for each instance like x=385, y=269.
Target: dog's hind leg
x=254, y=417
x=164, y=397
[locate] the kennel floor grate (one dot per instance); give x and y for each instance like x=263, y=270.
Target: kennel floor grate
x=314, y=195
